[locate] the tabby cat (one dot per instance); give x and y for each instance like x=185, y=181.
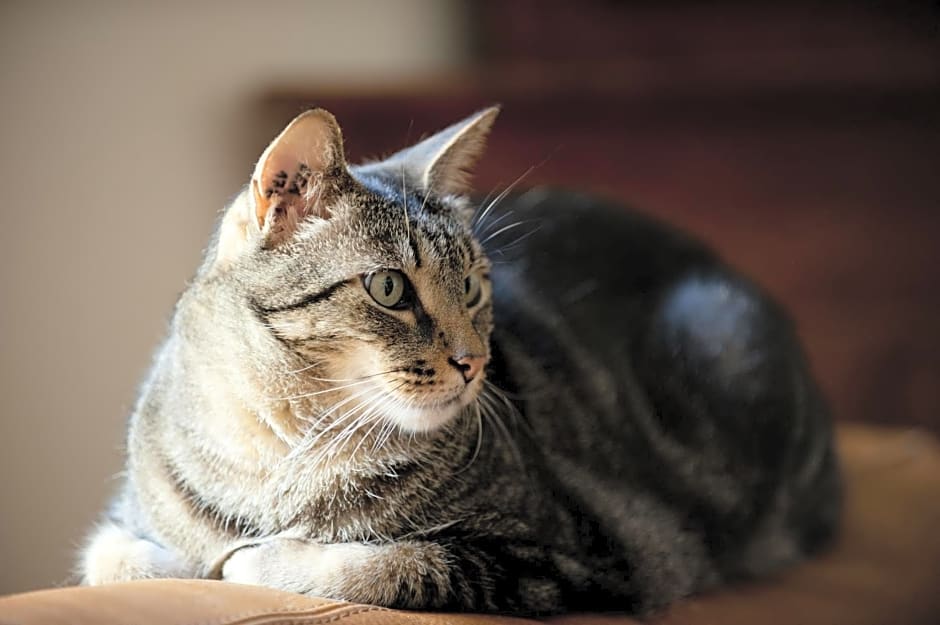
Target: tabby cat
x=375, y=390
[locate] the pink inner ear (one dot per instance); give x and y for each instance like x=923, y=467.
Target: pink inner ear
x=291, y=169
x=289, y=192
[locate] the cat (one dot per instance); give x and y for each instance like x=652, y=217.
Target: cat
x=378, y=391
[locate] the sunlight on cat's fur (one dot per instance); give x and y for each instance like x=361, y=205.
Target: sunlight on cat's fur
x=376, y=389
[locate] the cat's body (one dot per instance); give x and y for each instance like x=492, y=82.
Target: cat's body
x=657, y=433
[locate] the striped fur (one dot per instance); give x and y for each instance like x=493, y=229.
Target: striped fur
x=646, y=427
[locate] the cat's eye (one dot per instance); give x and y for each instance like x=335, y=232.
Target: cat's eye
x=472, y=290
x=388, y=288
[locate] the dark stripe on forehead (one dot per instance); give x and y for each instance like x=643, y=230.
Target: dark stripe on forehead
x=392, y=192
x=467, y=250
x=307, y=300
x=414, y=249
x=456, y=259
x=439, y=244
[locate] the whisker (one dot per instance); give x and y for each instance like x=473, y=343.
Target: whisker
x=404, y=204
x=386, y=433
x=427, y=195
x=479, y=445
x=488, y=227
x=515, y=224
x=365, y=436
x=336, y=445
x=499, y=198
x=332, y=446
x=310, y=441
x=321, y=392
x=370, y=407
x=307, y=368
x=352, y=382
x=346, y=436
x=362, y=377
x=505, y=248
x=339, y=420
x=475, y=219
x=492, y=413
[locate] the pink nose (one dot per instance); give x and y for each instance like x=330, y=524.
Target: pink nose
x=469, y=366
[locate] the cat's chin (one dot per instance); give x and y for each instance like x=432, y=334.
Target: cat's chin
x=428, y=417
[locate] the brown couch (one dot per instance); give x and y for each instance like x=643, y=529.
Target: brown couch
x=885, y=570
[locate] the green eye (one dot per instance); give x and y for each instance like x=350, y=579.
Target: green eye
x=388, y=288
x=472, y=290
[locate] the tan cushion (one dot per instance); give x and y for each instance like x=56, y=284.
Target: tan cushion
x=885, y=569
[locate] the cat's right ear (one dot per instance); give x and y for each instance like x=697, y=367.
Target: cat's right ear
x=295, y=178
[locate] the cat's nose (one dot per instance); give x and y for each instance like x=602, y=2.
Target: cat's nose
x=469, y=366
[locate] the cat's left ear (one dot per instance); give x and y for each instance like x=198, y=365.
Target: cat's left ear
x=295, y=174
x=296, y=177
x=443, y=163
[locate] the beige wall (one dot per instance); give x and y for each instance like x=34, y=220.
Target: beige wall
x=120, y=140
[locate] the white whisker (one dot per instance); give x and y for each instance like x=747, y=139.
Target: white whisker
x=321, y=392
x=515, y=224
x=489, y=226
x=479, y=445
x=404, y=205
x=499, y=198
x=369, y=408
x=501, y=250
x=492, y=413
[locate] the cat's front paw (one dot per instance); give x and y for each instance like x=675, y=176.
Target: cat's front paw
x=114, y=554
x=276, y=563
x=331, y=570
x=244, y=566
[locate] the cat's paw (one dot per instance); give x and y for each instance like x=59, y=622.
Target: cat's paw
x=116, y=555
x=244, y=566
x=269, y=563
x=297, y=566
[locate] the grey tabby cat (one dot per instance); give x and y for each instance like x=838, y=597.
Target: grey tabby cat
x=372, y=391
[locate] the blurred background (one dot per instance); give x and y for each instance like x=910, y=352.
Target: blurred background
x=801, y=139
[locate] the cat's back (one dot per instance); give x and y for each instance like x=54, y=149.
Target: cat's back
x=647, y=367
x=575, y=280
x=571, y=265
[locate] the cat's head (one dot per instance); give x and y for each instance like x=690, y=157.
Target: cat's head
x=369, y=276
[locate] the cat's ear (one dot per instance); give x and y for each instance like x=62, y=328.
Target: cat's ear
x=443, y=163
x=295, y=178
x=295, y=172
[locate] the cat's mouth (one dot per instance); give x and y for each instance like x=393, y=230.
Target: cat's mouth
x=417, y=398
x=416, y=414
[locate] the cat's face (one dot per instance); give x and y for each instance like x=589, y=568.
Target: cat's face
x=399, y=309
x=373, y=277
